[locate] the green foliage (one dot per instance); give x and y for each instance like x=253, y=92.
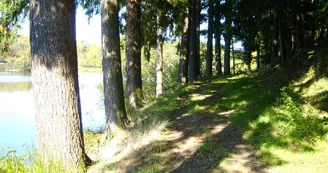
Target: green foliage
x=89, y=55
x=91, y=7
x=325, y=7
x=12, y=13
x=305, y=124
x=11, y=162
x=33, y=162
x=283, y=127
x=19, y=56
x=170, y=68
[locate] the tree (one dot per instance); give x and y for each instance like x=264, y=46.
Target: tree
x=227, y=37
x=159, y=51
x=183, y=62
x=193, y=41
x=133, y=53
x=197, y=55
x=55, y=82
x=209, y=55
x=112, y=71
x=218, y=38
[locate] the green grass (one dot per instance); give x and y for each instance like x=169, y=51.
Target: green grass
x=32, y=162
x=287, y=127
x=284, y=125
x=281, y=116
x=11, y=162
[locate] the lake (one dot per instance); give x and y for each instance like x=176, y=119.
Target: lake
x=17, y=127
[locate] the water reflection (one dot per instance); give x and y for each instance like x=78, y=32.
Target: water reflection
x=17, y=127
x=15, y=87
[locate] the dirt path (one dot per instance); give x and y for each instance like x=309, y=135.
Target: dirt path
x=200, y=139
x=203, y=140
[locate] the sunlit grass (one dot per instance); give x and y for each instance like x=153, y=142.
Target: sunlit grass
x=123, y=150
x=33, y=162
x=120, y=151
x=285, y=126
x=11, y=162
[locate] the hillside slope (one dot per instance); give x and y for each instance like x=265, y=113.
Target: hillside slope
x=275, y=122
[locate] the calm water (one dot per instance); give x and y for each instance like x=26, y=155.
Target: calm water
x=17, y=127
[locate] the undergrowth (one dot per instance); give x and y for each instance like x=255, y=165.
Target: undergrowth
x=32, y=162
x=283, y=118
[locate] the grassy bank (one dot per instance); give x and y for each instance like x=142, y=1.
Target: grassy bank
x=273, y=122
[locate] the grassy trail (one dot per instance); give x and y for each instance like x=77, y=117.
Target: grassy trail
x=232, y=124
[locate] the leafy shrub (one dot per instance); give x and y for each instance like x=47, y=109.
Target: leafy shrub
x=305, y=125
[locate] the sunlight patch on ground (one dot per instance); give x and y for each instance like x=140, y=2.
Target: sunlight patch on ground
x=199, y=97
x=125, y=143
x=183, y=116
x=243, y=159
x=320, y=86
x=188, y=147
x=303, y=162
x=172, y=135
x=226, y=113
x=218, y=128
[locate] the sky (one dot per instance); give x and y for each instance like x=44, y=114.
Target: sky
x=90, y=30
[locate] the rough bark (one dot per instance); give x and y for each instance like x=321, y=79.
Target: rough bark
x=133, y=53
x=55, y=82
x=183, y=62
x=273, y=42
x=218, y=39
x=279, y=9
x=227, y=39
x=233, y=56
x=198, y=18
x=209, y=53
x=159, y=52
x=192, y=42
x=112, y=70
x=258, y=63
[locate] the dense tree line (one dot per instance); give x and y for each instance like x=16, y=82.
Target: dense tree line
x=276, y=30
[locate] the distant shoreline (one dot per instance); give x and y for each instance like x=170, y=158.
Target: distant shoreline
x=4, y=67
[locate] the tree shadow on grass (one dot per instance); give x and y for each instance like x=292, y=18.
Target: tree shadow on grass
x=211, y=128
x=319, y=101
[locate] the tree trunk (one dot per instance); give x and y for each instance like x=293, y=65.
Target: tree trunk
x=183, y=63
x=273, y=42
x=159, y=52
x=227, y=39
x=227, y=54
x=233, y=57
x=209, y=55
x=192, y=42
x=279, y=11
x=198, y=17
x=55, y=83
x=112, y=70
x=133, y=53
x=281, y=42
x=258, y=63
x=218, y=39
